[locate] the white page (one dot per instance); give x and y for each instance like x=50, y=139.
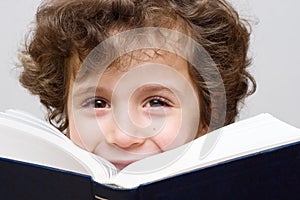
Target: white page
x=29, y=144
x=27, y=118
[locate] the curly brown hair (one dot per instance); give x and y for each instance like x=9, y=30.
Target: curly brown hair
x=67, y=27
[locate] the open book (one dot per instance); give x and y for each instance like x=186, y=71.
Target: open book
x=28, y=139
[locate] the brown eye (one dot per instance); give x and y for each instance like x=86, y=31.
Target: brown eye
x=96, y=103
x=157, y=102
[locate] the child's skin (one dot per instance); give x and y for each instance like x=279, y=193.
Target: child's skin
x=93, y=127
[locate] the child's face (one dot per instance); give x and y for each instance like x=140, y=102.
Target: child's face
x=124, y=119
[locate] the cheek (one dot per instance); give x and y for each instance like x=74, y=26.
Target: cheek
x=175, y=132
x=166, y=138
x=75, y=137
x=85, y=132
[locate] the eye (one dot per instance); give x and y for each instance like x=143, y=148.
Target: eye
x=158, y=102
x=97, y=103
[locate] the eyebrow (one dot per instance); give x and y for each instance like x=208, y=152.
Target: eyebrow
x=91, y=90
x=145, y=88
x=160, y=88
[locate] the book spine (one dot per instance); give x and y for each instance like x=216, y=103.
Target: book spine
x=111, y=192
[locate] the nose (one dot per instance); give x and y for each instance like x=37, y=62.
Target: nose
x=119, y=137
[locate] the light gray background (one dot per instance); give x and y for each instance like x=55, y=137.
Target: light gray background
x=274, y=47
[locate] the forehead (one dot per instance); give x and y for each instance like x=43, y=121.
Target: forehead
x=127, y=62
x=126, y=50
x=150, y=66
x=136, y=58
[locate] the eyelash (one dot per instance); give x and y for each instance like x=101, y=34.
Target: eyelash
x=91, y=103
x=165, y=101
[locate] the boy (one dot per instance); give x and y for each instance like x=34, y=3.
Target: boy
x=91, y=61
